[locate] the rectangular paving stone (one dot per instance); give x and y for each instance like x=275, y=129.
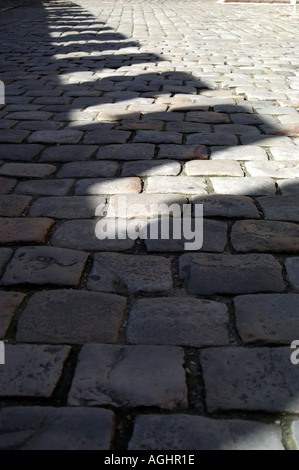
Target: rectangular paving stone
x=12, y=136
x=68, y=153
x=286, y=153
x=49, y=428
x=292, y=267
x=144, y=205
x=241, y=153
x=212, y=139
x=183, y=152
x=9, y=303
x=30, y=116
x=45, y=265
x=107, y=137
x=151, y=168
x=5, y=255
x=185, y=432
x=273, y=169
x=208, y=117
x=280, y=207
x=213, y=237
x=13, y=206
x=228, y=206
x=267, y=318
x=27, y=170
x=129, y=376
x=55, y=137
x=126, y=152
x=7, y=185
x=32, y=370
x=213, y=168
x=108, y=186
x=156, y=137
x=266, y=140
x=255, y=186
x=262, y=379
x=178, y=184
x=81, y=235
x=105, y=169
x=179, y=322
x=69, y=207
x=209, y=274
x=22, y=152
x=44, y=187
x=288, y=187
x=188, y=127
x=39, y=125
x=21, y=230
x=71, y=317
x=265, y=235
x=114, y=272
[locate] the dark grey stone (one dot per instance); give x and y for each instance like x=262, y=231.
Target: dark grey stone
x=284, y=208
x=228, y=206
x=69, y=207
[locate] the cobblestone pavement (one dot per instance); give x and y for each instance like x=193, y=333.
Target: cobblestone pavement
x=122, y=344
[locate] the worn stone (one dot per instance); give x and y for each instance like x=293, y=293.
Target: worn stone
x=12, y=136
x=46, y=428
x=5, y=255
x=151, y=168
x=70, y=207
x=23, y=230
x=289, y=187
x=213, y=168
x=195, y=433
x=209, y=274
x=156, y=137
x=7, y=185
x=27, y=170
x=295, y=432
x=144, y=205
x=241, y=153
x=257, y=186
x=55, y=137
x=21, y=152
x=126, y=152
x=292, y=267
x=286, y=153
x=178, y=184
x=284, y=208
x=183, y=152
x=119, y=273
x=179, y=322
x=107, y=137
x=81, y=235
x=32, y=370
x=108, y=186
x=261, y=379
x=207, y=116
x=228, y=206
x=9, y=303
x=273, y=169
x=212, y=139
x=13, y=206
x=68, y=153
x=103, y=169
x=265, y=235
x=129, y=376
x=45, y=187
x=45, y=265
x=267, y=318
x=71, y=317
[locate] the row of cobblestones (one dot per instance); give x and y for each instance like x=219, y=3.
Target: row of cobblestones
x=124, y=344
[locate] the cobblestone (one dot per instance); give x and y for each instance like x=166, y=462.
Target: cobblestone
x=213, y=168
x=22, y=230
x=13, y=206
x=69, y=207
x=68, y=153
x=228, y=206
x=257, y=186
x=292, y=267
x=280, y=208
x=44, y=187
x=9, y=302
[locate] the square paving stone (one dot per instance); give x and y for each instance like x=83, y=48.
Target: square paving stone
x=45, y=265
x=68, y=153
x=209, y=274
x=267, y=318
x=262, y=379
x=280, y=208
x=113, y=272
x=23, y=230
x=31, y=370
x=265, y=235
x=46, y=428
x=227, y=205
x=292, y=267
x=13, y=206
x=82, y=235
x=69, y=207
x=72, y=317
x=45, y=187
x=99, y=169
x=9, y=302
x=21, y=152
x=178, y=322
x=185, y=432
x=129, y=376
